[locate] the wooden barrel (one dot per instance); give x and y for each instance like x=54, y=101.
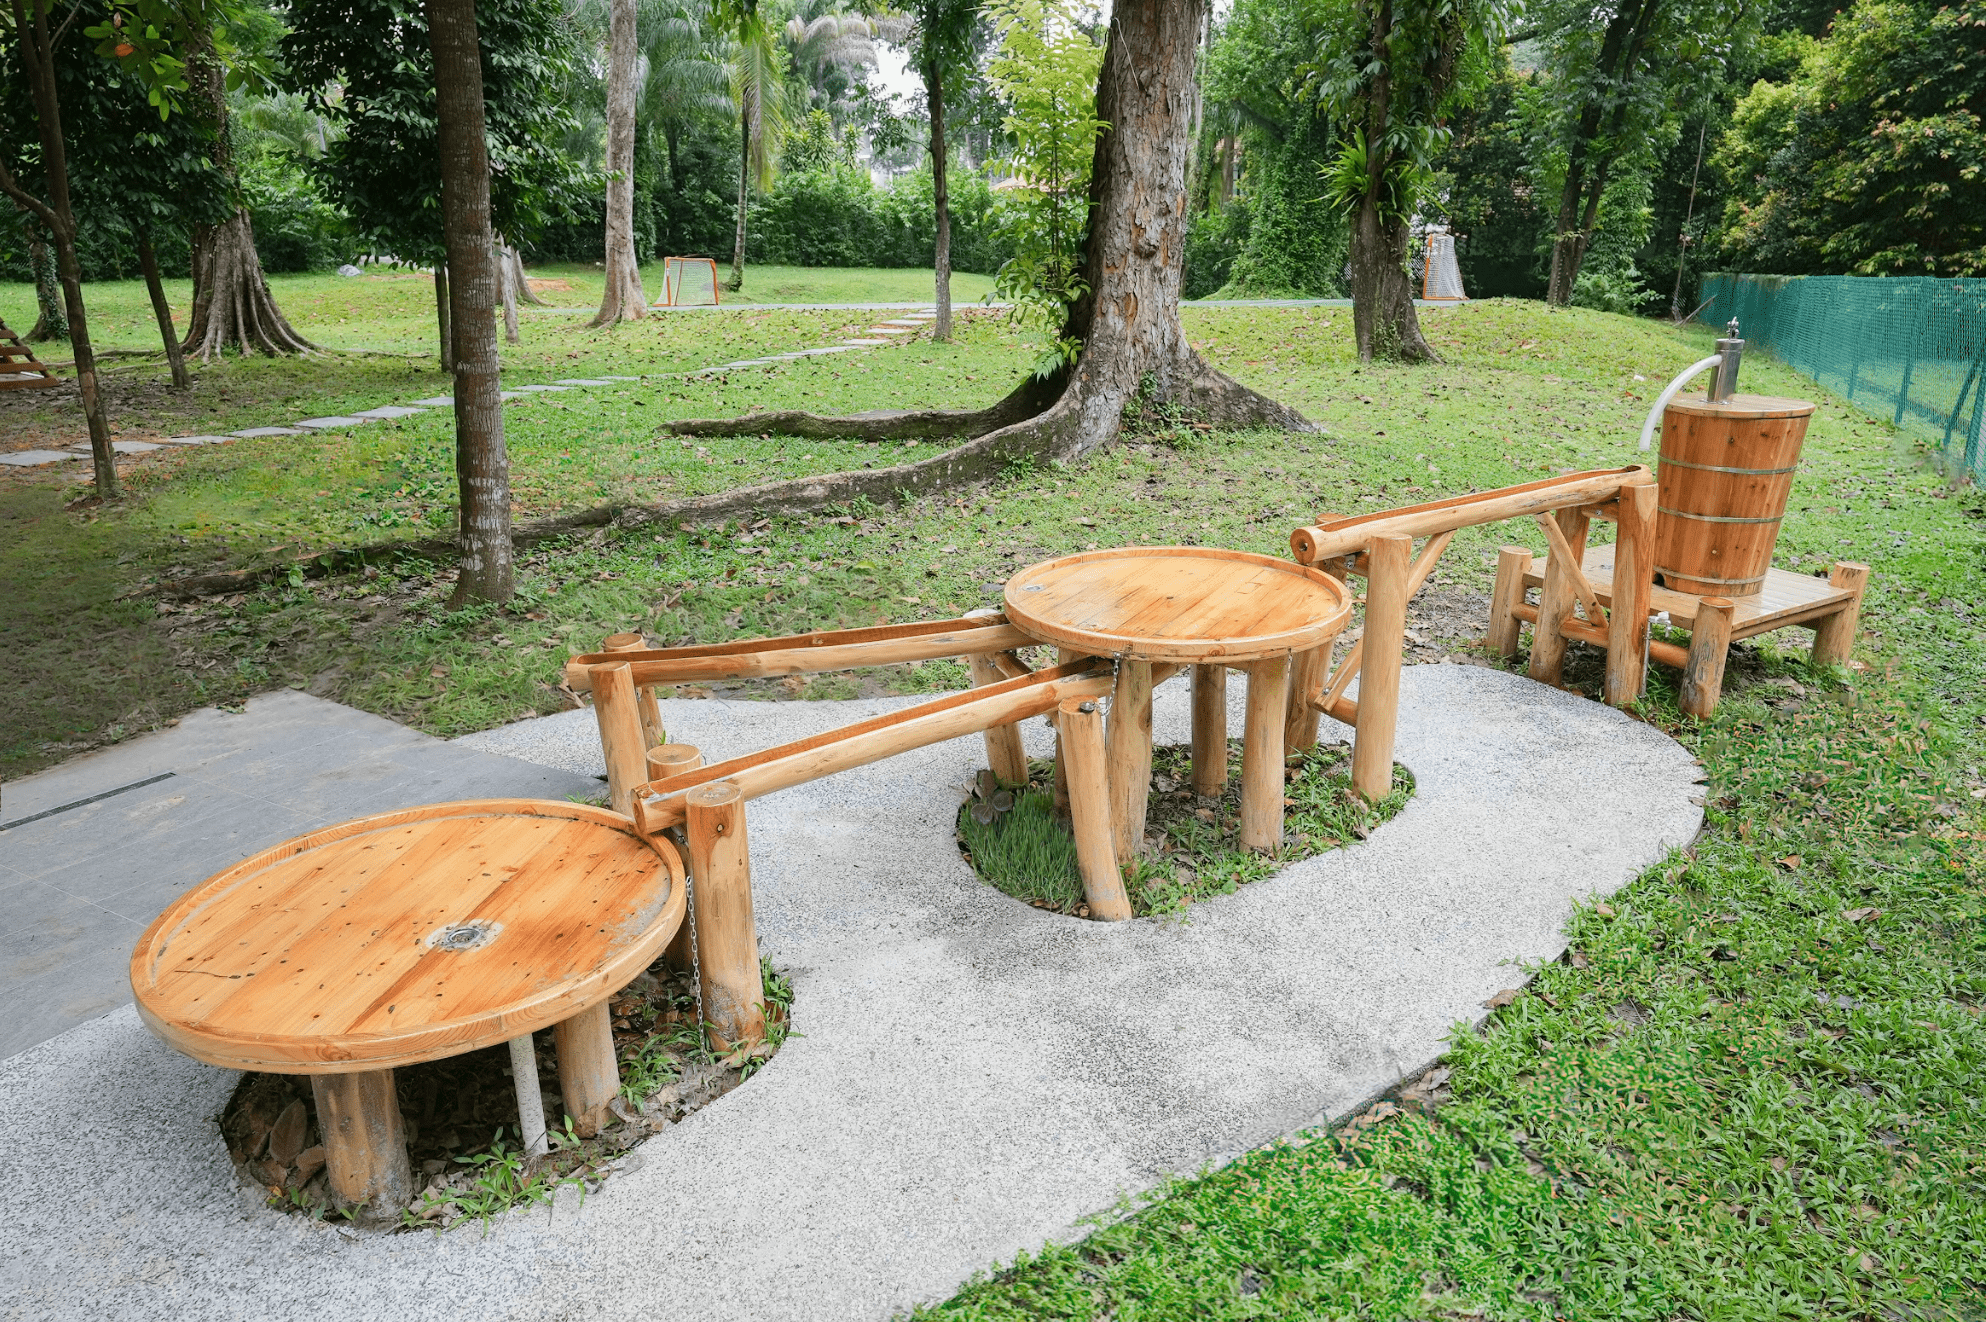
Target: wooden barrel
x=1726, y=471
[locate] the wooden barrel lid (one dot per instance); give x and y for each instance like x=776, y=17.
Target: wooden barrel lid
x=408, y=936
x=1178, y=604
x=1741, y=406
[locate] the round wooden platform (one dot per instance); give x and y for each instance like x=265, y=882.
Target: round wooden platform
x=1178, y=604
x=408, y=936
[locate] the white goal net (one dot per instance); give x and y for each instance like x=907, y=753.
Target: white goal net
x=688, y=282
x=1442, y=278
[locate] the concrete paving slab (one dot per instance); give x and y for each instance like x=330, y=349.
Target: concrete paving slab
x=863, y=344
x=133, y=447
x=436, y=401
x=197, y=440
x=328, y=424
x=36, y=458
x=973, y=1076
x=387, y=412
x=253, y=432
x=94, y=849
x=583, y=381
x=541, y=389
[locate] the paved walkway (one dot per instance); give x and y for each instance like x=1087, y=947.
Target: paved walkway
x=972, y=1077
x=93, y=850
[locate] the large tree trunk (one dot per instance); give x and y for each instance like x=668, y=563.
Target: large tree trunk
x=232, y=306
x=52, y=323
x=38, y=54
x=737, y=280
x=162, y=313
x=1385, y=323
x=623, y=299
x=1133, y=343
x=941, y=252
x=482, y=469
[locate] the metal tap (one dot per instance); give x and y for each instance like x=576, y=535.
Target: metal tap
x=1724, y=382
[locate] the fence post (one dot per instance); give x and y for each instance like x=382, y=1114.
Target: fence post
x=1909, y=359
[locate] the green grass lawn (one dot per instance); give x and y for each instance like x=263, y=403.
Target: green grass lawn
x=1752, y=1089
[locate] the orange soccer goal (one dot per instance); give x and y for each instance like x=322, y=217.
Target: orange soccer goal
x=688, y=282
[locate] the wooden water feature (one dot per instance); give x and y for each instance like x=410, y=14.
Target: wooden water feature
x=410, y=936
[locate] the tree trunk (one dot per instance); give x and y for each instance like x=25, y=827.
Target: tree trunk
x=57, y=214
x=941, y=253
x=623, y=299
x=514, y=259
x=737, y=280
x=162, y=311
x=1134, y=348
x=232, y=306
x=508, y=265
x=482, y=469
x=1385, y=323
x=53, y=322
x=445, y=336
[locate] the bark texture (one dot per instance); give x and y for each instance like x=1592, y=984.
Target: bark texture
x=514, y=260
x=482, y=469
x=1590, y=155
x=737, y=280
x=1133, y=344
x=941, y=253
x=444, y=330
x=162, y=312
x=1384, y=322
x=508, y=268
x=624, y=299
x=51, y=323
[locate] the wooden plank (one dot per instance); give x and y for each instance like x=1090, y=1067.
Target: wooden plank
x=1788, y=598
x=1343, y=536
x=1081, y=727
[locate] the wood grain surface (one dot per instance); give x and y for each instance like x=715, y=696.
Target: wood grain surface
x=408, y=936
x=1180, y=604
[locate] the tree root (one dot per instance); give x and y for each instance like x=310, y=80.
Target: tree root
x=232, y=306
x=1021, y=403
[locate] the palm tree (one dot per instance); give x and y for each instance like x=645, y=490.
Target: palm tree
x=759, y=91
x=687, y=79
x=829, y=45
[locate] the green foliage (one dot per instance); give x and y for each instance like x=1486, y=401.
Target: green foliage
x=1213, y=240
x=368, y=66
x=1047, y=69
x=295, y=228
x=837, y=218
x=1871, y=158
x=1296, y=239
x=1487, y=195
x=814, y=145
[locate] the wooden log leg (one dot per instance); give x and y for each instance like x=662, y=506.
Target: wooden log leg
x=1307, y=671
x=1003, y=742
x=1633, y=593
x=727, y=940
x=1209, y=729
x=1555, y=602
x=1385, y=638
x=589, y=1076
x=620, y=734
x=530, y=1102
x=1512, y=563
x=1081, y=728
x=1834, y=636
x=652, y=732
x=1063, y=657
x=670, y=760
x=1703, y=673
x=365, y=1147
x=1130, y=756
x=1262, y=756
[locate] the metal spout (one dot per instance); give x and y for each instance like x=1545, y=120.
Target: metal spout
x=1724, y=381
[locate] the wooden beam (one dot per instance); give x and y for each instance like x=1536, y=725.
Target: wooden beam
x=1262, y=755
x=1004, y=753
x=1633, y=584
x=589, y=1076
x=652, y=732
x=800, y=654
x=1209, y=729
x=365, y=1144
x=1129, y=756
x=1575, y=573
x=1512, y=563
x=621, y=739
x=1556, y=598
x=1310, y=545
x=1703, y=673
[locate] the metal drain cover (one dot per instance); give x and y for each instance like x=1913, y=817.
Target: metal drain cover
x=472, y=935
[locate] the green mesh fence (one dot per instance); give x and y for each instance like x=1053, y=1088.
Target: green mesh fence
x=1911, y=350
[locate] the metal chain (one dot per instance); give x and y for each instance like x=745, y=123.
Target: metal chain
x=689, y=916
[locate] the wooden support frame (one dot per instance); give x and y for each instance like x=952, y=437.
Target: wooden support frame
x=1262, y=755
x=1385, y=637
x=1004, y=753
x=1340, y=537
x=1512, y=563
x=726, y=936
x=807, y=653
x=618, y=712
x=652, y=732
x=589, y=1075
x=365, y=1143
x=1129, y=755
x=1557, y=597
x=1834, y=635
x=1634, y=568
x=1081, y=727
x=1703, y=669
x=1210, y=729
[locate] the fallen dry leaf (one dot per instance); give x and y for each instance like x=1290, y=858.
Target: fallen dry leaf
x=1604, y=910
x=1502, y=998
x=1790, y=862
x=1860, y=915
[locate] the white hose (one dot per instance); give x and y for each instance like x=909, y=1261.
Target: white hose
x=1662, y=401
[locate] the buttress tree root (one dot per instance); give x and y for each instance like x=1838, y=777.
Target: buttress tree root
x=1133, y=343
x=232, y=306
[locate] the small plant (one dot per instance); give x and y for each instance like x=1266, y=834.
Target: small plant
x=502, y=1177
x=988, y=799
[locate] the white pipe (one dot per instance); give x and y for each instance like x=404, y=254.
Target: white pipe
x=1662, y=401
x=530, y=1105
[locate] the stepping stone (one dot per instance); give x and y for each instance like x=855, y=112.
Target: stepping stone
x=198, y=440
x=35, y=458
x=808, y=353
x=508, y=395
x=540, y=389
x=626, y=378
x=133, y=447
x=252, y=432
x=911, y=323
x=887, y=330
x=321, y=424
x=583, y=381
x=390, y=411
x=863, y=343
x=435, y=402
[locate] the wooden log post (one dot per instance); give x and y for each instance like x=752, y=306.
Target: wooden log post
x=1512, y=564
x=1385, y=639
x=673, y=760
x=589, y=1075
x=1004, y=753
x=1703, y=673
x=1080, y=725
x=727, y=940
x=1130, y=756
x=1307, y=672
x=1063, y=656
x=621, y=739
x=1262, y=755
x=1633, y=592
x=1209, y=729
x=365, y=1144
x=1556, y=599
x=652, y=732
x=1834, y=635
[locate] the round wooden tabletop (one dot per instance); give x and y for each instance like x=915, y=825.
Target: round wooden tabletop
x=1178, y=604
x=408, y=936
